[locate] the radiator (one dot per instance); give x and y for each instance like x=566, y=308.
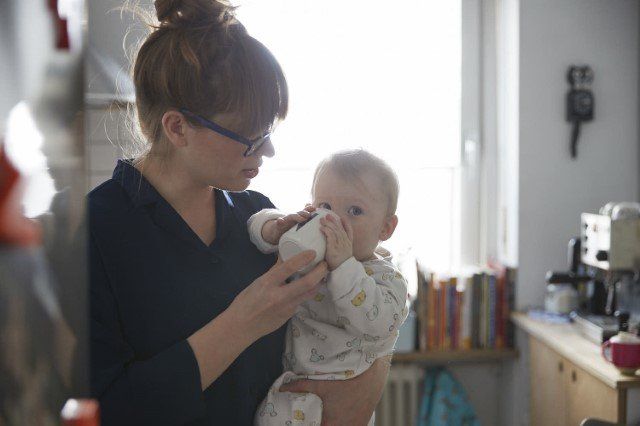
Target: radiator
x=399, y=403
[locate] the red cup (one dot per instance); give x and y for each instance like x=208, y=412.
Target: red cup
x=625, y=356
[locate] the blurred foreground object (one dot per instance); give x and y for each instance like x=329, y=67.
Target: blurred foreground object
x=15, y=229
x=80, y=412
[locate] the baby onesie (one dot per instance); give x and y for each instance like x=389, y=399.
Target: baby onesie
x=352, y=321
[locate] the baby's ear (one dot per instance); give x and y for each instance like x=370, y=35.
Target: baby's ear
x=389, y=226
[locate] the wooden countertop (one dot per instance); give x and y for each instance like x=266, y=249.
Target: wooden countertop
x=567, y=341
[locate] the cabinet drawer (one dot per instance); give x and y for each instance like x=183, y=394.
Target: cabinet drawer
x=586, y=396
x=564, y=394
x=548, y=406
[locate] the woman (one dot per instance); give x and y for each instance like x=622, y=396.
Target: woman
x=186, y=314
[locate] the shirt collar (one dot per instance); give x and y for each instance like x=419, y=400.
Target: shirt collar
x=142, y=193
x=137, y=187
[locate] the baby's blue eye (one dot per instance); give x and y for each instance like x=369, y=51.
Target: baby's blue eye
x=355, y=211
x=325, y=206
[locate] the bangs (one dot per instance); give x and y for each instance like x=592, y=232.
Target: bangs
x=260, y=97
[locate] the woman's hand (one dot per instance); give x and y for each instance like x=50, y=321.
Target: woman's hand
x=259, y=309
x=272, y=230
x=268, y=302
x=347, y=402
x=339, y=237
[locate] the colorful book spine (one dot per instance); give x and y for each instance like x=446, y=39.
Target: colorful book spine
x=438, y=309
x=476, y=298
x=464, y=292
x=492, y=311
x=510, y=302
x=500, y=319
x=458, y=307
x=484, y=341
x=422, y=306
x=446, y=336
x=451, y=317
x=431, y=314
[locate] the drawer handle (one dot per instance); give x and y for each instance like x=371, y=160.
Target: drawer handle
x=560, y=366
x=574, y=376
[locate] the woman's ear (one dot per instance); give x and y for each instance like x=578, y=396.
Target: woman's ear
x=389, y=226
x=174, y=126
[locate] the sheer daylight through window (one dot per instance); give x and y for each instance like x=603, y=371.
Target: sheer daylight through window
x=382, y=76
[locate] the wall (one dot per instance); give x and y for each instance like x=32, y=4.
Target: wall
x=551, y=189
x=109, y=88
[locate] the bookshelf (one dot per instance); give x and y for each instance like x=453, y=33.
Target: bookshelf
x=468, y=356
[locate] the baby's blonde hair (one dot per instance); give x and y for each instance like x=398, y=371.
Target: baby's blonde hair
x=353, y=163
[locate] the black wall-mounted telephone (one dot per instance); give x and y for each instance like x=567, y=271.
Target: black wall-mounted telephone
x=580, y=101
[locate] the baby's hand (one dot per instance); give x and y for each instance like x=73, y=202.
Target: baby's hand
x=272, y=230
x=339, y=237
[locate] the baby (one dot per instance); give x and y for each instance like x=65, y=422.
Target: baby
x=355, y=316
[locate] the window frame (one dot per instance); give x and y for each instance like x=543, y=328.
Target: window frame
x=474, y=182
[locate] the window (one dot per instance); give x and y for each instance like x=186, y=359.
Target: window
x=384, y=76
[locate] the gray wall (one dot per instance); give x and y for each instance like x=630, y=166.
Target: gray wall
x=554, y=189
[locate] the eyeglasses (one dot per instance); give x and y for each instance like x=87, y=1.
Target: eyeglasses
x=252, y=144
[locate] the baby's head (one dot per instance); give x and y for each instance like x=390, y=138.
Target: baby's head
x=362, y=189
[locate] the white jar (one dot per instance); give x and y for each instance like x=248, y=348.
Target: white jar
x=561, y=298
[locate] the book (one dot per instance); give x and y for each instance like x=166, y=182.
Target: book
x=510, y=304
x=484, y=313
x=444, y=316
x=437, y=312
x=492, y=301
x=431, y=313
x=422, y=307
x=451, y=309
x=476, y=301
x=465, y=312
x=466, y=291
x=500, y=318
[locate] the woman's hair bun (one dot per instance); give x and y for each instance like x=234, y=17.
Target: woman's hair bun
x=194, y=13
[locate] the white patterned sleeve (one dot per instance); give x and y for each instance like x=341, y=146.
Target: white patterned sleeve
x=255, y=224
x=372, y=297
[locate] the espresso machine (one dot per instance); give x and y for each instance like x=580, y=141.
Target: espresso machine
x=604, y=268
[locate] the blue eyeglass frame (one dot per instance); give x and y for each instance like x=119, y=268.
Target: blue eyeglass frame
x=252, y=144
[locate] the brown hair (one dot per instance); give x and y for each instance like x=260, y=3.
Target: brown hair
x=353, y=163
x=200, y=57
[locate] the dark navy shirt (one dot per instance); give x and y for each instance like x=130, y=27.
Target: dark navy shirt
x=153, y=284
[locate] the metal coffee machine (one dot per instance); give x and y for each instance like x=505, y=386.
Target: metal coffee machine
x=604, y=268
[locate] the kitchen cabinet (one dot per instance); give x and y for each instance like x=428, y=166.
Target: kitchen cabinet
x=589, y=397
x=570, y=381
x=547, y=386
x=564, y=394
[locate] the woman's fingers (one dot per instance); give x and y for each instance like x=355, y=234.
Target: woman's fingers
x=280, y=272
x=286, y=222
x=298, y=290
